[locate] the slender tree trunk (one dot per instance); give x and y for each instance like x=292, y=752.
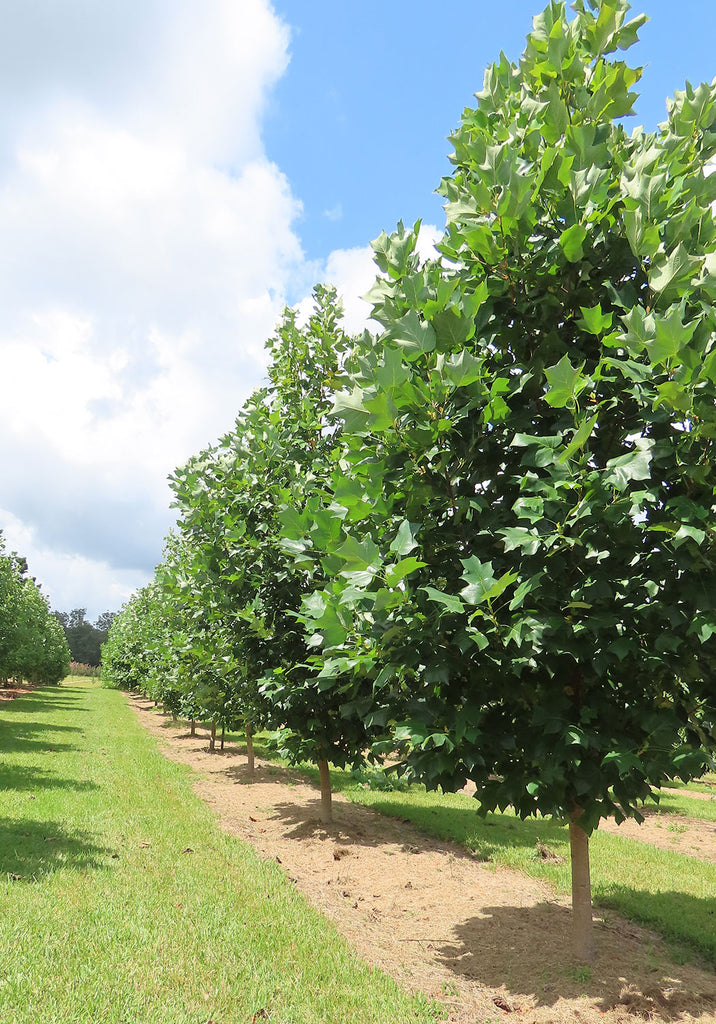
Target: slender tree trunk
x=326, y=801
x=174, y=716
x=223, y=731
x=212, y=737
x=192, y=727
x=581, y=890
x=250, y=748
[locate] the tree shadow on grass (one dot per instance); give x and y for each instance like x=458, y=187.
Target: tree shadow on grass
x=17, y=778
x=30, y=850
x=21, y=737
x=686, y=920
x=483, y=836
x=528, y=950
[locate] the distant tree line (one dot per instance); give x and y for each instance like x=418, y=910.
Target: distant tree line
x=85, y=638
x=32, y=644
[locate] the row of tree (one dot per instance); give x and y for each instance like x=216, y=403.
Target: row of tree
x=483, y=538
x=32, y=644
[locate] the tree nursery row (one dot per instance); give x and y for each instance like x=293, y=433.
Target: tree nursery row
x=481, y=539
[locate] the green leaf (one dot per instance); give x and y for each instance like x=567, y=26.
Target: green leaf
x=671, y=335
x=412, y=334
x=519, y=537
x=359, y=554
x=463, y=368
x=580, y=437
x=449, y=601
x=572, y=242
x=674, y=270
x=634, y=465
x=401, y=569
x=674, y=395
x=404, y=541
x=481, y=584
x=564, y=382
x=525, y=588
x=593, y=321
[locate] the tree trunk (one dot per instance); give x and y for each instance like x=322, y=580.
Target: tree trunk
x=174, y=716
x=192, y=727
x=212, y=737
x=250, y=748
x=326, y=801
x=581, y=890
x=223, y=731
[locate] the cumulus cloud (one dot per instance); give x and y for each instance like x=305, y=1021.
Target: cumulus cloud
x=77, y=581
x=148, y=247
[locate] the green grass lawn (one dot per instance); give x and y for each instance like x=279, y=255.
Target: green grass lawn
x=122, y=902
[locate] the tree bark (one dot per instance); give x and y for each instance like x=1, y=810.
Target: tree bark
x=223, y=732
x=326, y=800
x=192, y=728
x=212, y=737
x=581, y=890
x=250, y=748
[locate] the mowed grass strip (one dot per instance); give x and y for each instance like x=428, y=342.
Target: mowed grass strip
x=122, y=902
x=672, y=892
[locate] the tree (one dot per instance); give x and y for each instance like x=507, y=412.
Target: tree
x=540, y=412
x=32, y=645
x=85, y=639
x=233, y=500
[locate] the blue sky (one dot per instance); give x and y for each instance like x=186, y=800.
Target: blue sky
x=171, y=173
x=359, y=121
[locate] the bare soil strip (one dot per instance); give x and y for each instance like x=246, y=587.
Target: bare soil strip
x=488, y=943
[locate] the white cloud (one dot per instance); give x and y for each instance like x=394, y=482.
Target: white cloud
x=70, y=581
x=148, y=244
x=335, y=213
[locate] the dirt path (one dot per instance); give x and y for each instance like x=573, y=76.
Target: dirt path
x=488, y=943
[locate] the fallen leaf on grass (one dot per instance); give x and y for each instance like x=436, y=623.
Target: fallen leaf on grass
x=188, y=850
x=143, y=844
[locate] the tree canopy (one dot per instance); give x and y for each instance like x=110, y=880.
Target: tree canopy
x=32, y=644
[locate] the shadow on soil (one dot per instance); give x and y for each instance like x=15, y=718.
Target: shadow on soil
x=499, y=949
x=31, y=849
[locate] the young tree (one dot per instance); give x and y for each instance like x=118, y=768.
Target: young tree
x=540, y=411
x=233, y=500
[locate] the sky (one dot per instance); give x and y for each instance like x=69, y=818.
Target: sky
x=172, y=173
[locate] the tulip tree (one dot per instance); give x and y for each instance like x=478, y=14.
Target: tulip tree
x=540, y=412
x=232, y=501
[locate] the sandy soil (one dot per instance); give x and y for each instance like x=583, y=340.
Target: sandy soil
x=488, y=943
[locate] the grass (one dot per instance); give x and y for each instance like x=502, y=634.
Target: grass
x=706, y=784
x=703, y=810
x=122, y=902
